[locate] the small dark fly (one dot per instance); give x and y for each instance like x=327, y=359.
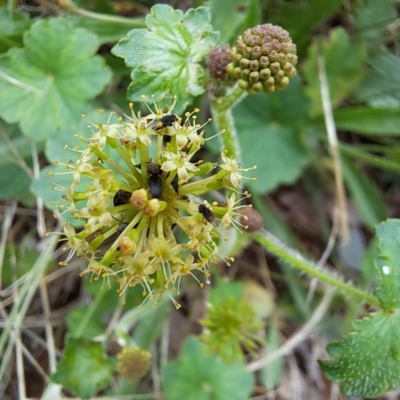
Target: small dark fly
x=122, y=226
x=208, y=214
x=121, y=197
x=174, y=184
x=153, y=168
x=155, y=186
x=166, y=120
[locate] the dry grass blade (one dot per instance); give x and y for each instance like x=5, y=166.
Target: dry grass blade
x=333, y=147
x=298, y=337
x=8, y=218
x=15, y=318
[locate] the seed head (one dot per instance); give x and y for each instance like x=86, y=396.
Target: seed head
x=264, y=59
x=217, y=62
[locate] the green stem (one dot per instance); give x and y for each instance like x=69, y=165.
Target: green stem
x=12, y=4
x=369, y=158
x=221, y=109
x=131, y=22
x=227, y=102
x=279, y=249
x=90, y=313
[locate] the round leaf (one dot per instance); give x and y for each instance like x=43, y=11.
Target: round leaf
x=85, y=368
x=165, y=58
x=267, y=131
x=197, y=375
x=51, y=78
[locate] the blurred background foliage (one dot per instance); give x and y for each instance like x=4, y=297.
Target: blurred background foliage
x=63, y=49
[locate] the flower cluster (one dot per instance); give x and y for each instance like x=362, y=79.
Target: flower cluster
x=145, y=223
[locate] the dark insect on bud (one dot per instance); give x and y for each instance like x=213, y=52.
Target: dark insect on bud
x=155, y=186
x=174, y=184
x=153, y=168
x=121, y=197
x=208, y=214
x=166, y=120
x=122, y=226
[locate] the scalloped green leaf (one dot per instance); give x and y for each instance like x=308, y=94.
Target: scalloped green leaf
x=268, y=131
x=47, y=83
x=85, y=368
x=93, y=328
x=366, y=362
x=13, y=23
x=165, y=58
x=344, y=65
x=197, y=375
x=388, y=264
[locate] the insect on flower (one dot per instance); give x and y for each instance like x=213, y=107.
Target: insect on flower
x=155, y=184
x=166, y=120
x=208, y=215
x=163, y=235
x=121, y=197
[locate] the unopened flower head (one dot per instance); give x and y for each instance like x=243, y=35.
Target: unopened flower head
x=263, y=59
x=231, y=327
x=133, y=363
x=141, y=201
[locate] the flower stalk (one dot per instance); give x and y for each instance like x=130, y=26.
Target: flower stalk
x=294, y=258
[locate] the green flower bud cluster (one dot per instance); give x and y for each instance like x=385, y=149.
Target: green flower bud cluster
x=217, y=62
x=230, y=328
x=133, y=363
x=264, y=59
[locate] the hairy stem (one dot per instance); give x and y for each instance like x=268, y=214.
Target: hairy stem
x=285, y=253
x=71, y=7
x=221, y=109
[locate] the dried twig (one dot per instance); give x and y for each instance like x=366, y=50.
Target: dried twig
x=298, y=337
x=40, y=223
x=51, y=347
x=333, y=147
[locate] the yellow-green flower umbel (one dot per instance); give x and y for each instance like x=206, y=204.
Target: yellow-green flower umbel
x=137, y=204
